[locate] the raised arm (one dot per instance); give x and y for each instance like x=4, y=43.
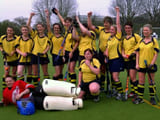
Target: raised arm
x=48, y=20
x=89, y=21
x=29, y=21
x=118, y=20
x=83, y=29
x=59, y=15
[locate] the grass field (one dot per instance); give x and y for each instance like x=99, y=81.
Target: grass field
x=107, y=108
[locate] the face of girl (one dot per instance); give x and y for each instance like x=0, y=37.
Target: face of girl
x=10, y=31
x=88, y=55
x=9, y=82
x=107, y=25
x=24, y=30
x=68, y=23
x=40, y=28
x=112, y=30
x=128, y=29
x=56, y=29
x=147, y=31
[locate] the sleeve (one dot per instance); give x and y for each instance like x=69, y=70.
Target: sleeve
x=119, y=35
x=17, y=42
x=98, y=29
x=50, y=35
x=5, y=99
x=96, y=63
x=0, y=41
x=93, y=35
x=156, y=46
x=33, y=33
x=25, y=85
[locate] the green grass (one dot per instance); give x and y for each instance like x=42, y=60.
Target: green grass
x=107, y=108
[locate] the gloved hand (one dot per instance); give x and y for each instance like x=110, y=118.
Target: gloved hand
x=151, y=67
x=54, y=10
x=4, y=53
x=39, y=54
x=132, y=56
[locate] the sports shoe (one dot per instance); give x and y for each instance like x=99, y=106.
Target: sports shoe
x=153, y=101
x=96, y=98
x=138, y=101
x=131, y=95
x=119, y=96
x=114, y=92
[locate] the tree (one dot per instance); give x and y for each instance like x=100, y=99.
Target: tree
x=20, y=21
x=152, y=10
x=4, y=24
x=65, y=7
x=129, y=9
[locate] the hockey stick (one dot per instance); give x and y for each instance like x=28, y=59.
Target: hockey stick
x=145, y=61
x=39, y=67
x=66, y=73
x=109, y=91
x=62, y=45
x=25, y=69
x=127, y=84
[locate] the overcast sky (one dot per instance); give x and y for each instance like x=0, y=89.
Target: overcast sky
x=10, y=9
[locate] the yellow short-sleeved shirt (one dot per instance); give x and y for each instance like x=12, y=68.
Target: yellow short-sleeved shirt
x=56, y=43
x=9, y=46
x=24, y=46
x=103, y=37
x=87, y=42
x=87, y=74
x=147, y=51
x=130, y=45
x=114, y=46
x=40, y=43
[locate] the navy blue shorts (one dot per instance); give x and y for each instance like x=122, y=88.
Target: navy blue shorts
x=80, y=58
x=85, y=86
x=101, y=57
x=153, y=70
x=13, y=63
x=56, y=62
x=130, y=64
x=24, y=63
x=43, y=60
x=74, y=57
x=116, y=65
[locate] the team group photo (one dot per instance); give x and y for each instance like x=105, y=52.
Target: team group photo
x=58, y=61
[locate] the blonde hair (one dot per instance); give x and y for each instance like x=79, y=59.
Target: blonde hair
x=148, y=26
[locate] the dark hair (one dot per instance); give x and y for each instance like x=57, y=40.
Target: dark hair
x=88, y=49
x=108, y=19
x=25, y=26
x=129, y=23
x=11, y=27
x=58, y=25
x=40, y=24
x=10, y=77
x=68, y=19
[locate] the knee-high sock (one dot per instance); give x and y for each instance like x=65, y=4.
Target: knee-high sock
x=73, y=78
x=140, y=91
x=119, y=86
x=152, y=90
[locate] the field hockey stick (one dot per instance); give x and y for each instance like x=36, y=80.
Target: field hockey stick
x=62, y=45
x=25, y=69
x=145, y=61
x=6, y=67
x=109, y=91
x=127, y=84
x=39, y=67
x=66, y=73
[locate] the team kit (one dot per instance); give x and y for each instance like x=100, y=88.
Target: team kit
x=99, y=66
